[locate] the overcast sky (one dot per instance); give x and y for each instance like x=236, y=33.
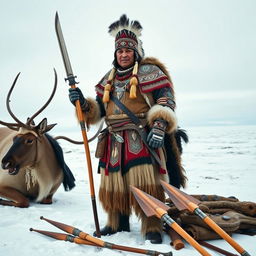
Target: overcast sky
x=208, y=46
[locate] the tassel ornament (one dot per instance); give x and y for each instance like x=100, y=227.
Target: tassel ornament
x=134, y=81
x=108, y=86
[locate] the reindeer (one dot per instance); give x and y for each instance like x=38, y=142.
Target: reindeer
x=32, y=162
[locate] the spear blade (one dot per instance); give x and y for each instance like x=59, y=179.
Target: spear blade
x=179, y=205
x=62, y=45
x=180, y=199
x=146, y=209
x=150, y=205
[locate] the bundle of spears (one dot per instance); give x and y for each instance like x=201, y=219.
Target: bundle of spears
x=75, y=235
x=153, y=207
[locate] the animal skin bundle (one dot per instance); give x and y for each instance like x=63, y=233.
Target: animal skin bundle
x=229, y=213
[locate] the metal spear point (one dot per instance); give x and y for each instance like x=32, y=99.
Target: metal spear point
x=72, y=83
x=184, y=201
x=63, y=48
x=153, y=207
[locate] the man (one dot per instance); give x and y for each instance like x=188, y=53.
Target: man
x=127, y=157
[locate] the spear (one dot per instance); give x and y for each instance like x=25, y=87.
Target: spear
x=72, y=83
x=153, y=207
x=63, y=237
x=184, y=201
x=217, y=249
x=80, y=236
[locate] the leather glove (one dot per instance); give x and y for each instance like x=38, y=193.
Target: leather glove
x=76, y=94
x=155, y=137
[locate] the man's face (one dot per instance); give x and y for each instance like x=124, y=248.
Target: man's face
x=125, y=57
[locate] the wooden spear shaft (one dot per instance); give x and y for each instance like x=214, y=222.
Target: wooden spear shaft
x=72, y=84
x=221, y=232
x=89, y=163
x=217, y=249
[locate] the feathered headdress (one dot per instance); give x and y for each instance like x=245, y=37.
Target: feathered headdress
x=127, y=34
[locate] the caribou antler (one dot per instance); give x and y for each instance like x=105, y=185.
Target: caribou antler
x=12, y=126
x=69, y=140
x=48, y=101
x=28, y=125
x=81, y=142
x=19, y=123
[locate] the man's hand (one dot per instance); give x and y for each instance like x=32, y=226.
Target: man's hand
x=76, y=94
x=155, y=137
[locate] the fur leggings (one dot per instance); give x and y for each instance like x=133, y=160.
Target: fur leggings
x=116, y=198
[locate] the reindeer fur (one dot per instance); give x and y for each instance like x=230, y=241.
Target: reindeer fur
x=46, y=172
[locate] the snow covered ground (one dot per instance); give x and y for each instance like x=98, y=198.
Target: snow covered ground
x=218, y=160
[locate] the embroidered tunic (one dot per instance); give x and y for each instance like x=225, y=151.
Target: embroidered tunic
x=154, y=88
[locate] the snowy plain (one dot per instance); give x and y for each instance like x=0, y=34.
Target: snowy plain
x=218, y=160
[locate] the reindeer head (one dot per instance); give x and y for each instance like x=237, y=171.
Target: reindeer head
x=24, y=150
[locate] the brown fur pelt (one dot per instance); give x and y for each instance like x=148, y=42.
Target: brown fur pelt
x=201, y=233
x=113, y=219
x=93, y=115
x=218, y=207
x=175, y=169
x=247, y=208
x=215, y=198
x=114, y=193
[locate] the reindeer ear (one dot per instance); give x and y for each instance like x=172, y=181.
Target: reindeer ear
x=49, y=127
x=41, y=127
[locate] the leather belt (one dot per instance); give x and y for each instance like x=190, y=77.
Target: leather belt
x=140, y=127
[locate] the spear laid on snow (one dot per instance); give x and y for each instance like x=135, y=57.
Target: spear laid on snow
x=153, y=207
x=64, y=237
x=217, y=249
x=81, y=237
x=184, y=201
